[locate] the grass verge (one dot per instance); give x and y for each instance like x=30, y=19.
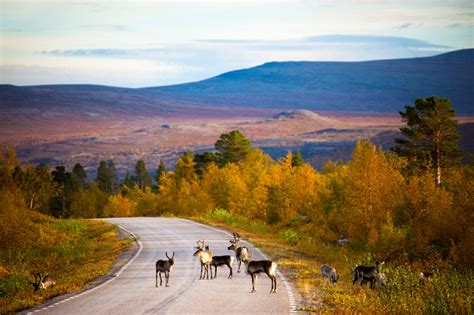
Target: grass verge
x=299, y=256
x=74, y=252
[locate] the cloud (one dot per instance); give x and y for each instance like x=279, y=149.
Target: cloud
x=456, y=25
x=376, y=40
x=104, y=27
x=403, y=26
x=204, y=58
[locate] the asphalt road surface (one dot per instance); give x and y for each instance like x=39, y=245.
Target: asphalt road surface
x=133, y=289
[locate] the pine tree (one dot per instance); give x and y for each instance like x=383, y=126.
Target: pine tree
x=103, y=177
x=129, y=181
x=202, y=161
x=113, y=176
x=233, y=147
x=60, y=176
x=160, y=172
x=79, y=177
x=297, y=159
x=431, y=137
x=142, y=178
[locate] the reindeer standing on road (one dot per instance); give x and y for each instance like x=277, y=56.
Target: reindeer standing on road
x=205, y=256
x=254, y=267
x=241, y=252
x=164, y=266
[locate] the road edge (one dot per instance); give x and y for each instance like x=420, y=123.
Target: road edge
x=106, y=279
x=288, y=286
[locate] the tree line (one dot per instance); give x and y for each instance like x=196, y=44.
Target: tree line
x=413, y=202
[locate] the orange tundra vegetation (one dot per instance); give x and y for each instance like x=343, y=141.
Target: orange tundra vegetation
x=74, y=252
x=404, y=217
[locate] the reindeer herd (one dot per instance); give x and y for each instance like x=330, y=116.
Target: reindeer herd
x=362, y=274
x=208, y=262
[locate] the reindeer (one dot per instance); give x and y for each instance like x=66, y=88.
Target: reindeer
x=254, y=267
x=424, y=277
x=369, y=274
x=241, y=252
x=205, y=256
x=330, y=273
x=220, y=261
x=42, y=281
x=164, y=266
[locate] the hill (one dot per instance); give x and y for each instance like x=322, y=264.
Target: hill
x=377, y=86
x=381, y=86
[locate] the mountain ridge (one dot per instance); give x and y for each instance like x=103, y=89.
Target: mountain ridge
x=362, y=86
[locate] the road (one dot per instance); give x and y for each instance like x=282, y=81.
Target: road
x=133, y=290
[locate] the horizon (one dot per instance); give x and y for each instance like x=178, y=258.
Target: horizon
x=219, y=74
x=162, y=43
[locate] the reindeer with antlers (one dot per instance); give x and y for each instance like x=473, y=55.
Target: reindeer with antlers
x=164, y=266
x=241, y=252
x=371, y=274
x=42, y=281
x=205, y=256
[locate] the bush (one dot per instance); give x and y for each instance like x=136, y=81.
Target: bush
x=290, y=236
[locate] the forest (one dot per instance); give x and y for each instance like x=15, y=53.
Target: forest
x=412, y=206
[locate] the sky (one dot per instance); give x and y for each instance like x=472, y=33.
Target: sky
x=153, y=43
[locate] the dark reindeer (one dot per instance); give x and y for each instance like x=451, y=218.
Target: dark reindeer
x=369, y=274
x=164, y=266
x=254, y=267
x=42, y=281
x=221, y=261
x=241, y=252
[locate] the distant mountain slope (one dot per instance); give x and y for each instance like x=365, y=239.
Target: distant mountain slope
x=381, y=86
x=385, y=85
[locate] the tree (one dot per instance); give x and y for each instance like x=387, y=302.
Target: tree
x=160, y=172
x=80, y=175
x=89, y=203
x=233, y=146
x=430, y=138
x=103, y=177
x=202, y=161
x=185, y=167
x=107, y=178
x=142, y=178
x=63, y=179
x=36, y=184
x=129, y=181
x=113, y=176
x=297, y=159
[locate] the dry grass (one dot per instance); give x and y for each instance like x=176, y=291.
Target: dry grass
x=450, y=292
x=85, y=251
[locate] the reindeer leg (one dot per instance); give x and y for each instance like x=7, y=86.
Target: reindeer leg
x=230, y=274
x=238, y=264
x=167, y=276
x=161, y=280
x=254, y=280
x=215, y=272
x=200, y=275
x=156, y=278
